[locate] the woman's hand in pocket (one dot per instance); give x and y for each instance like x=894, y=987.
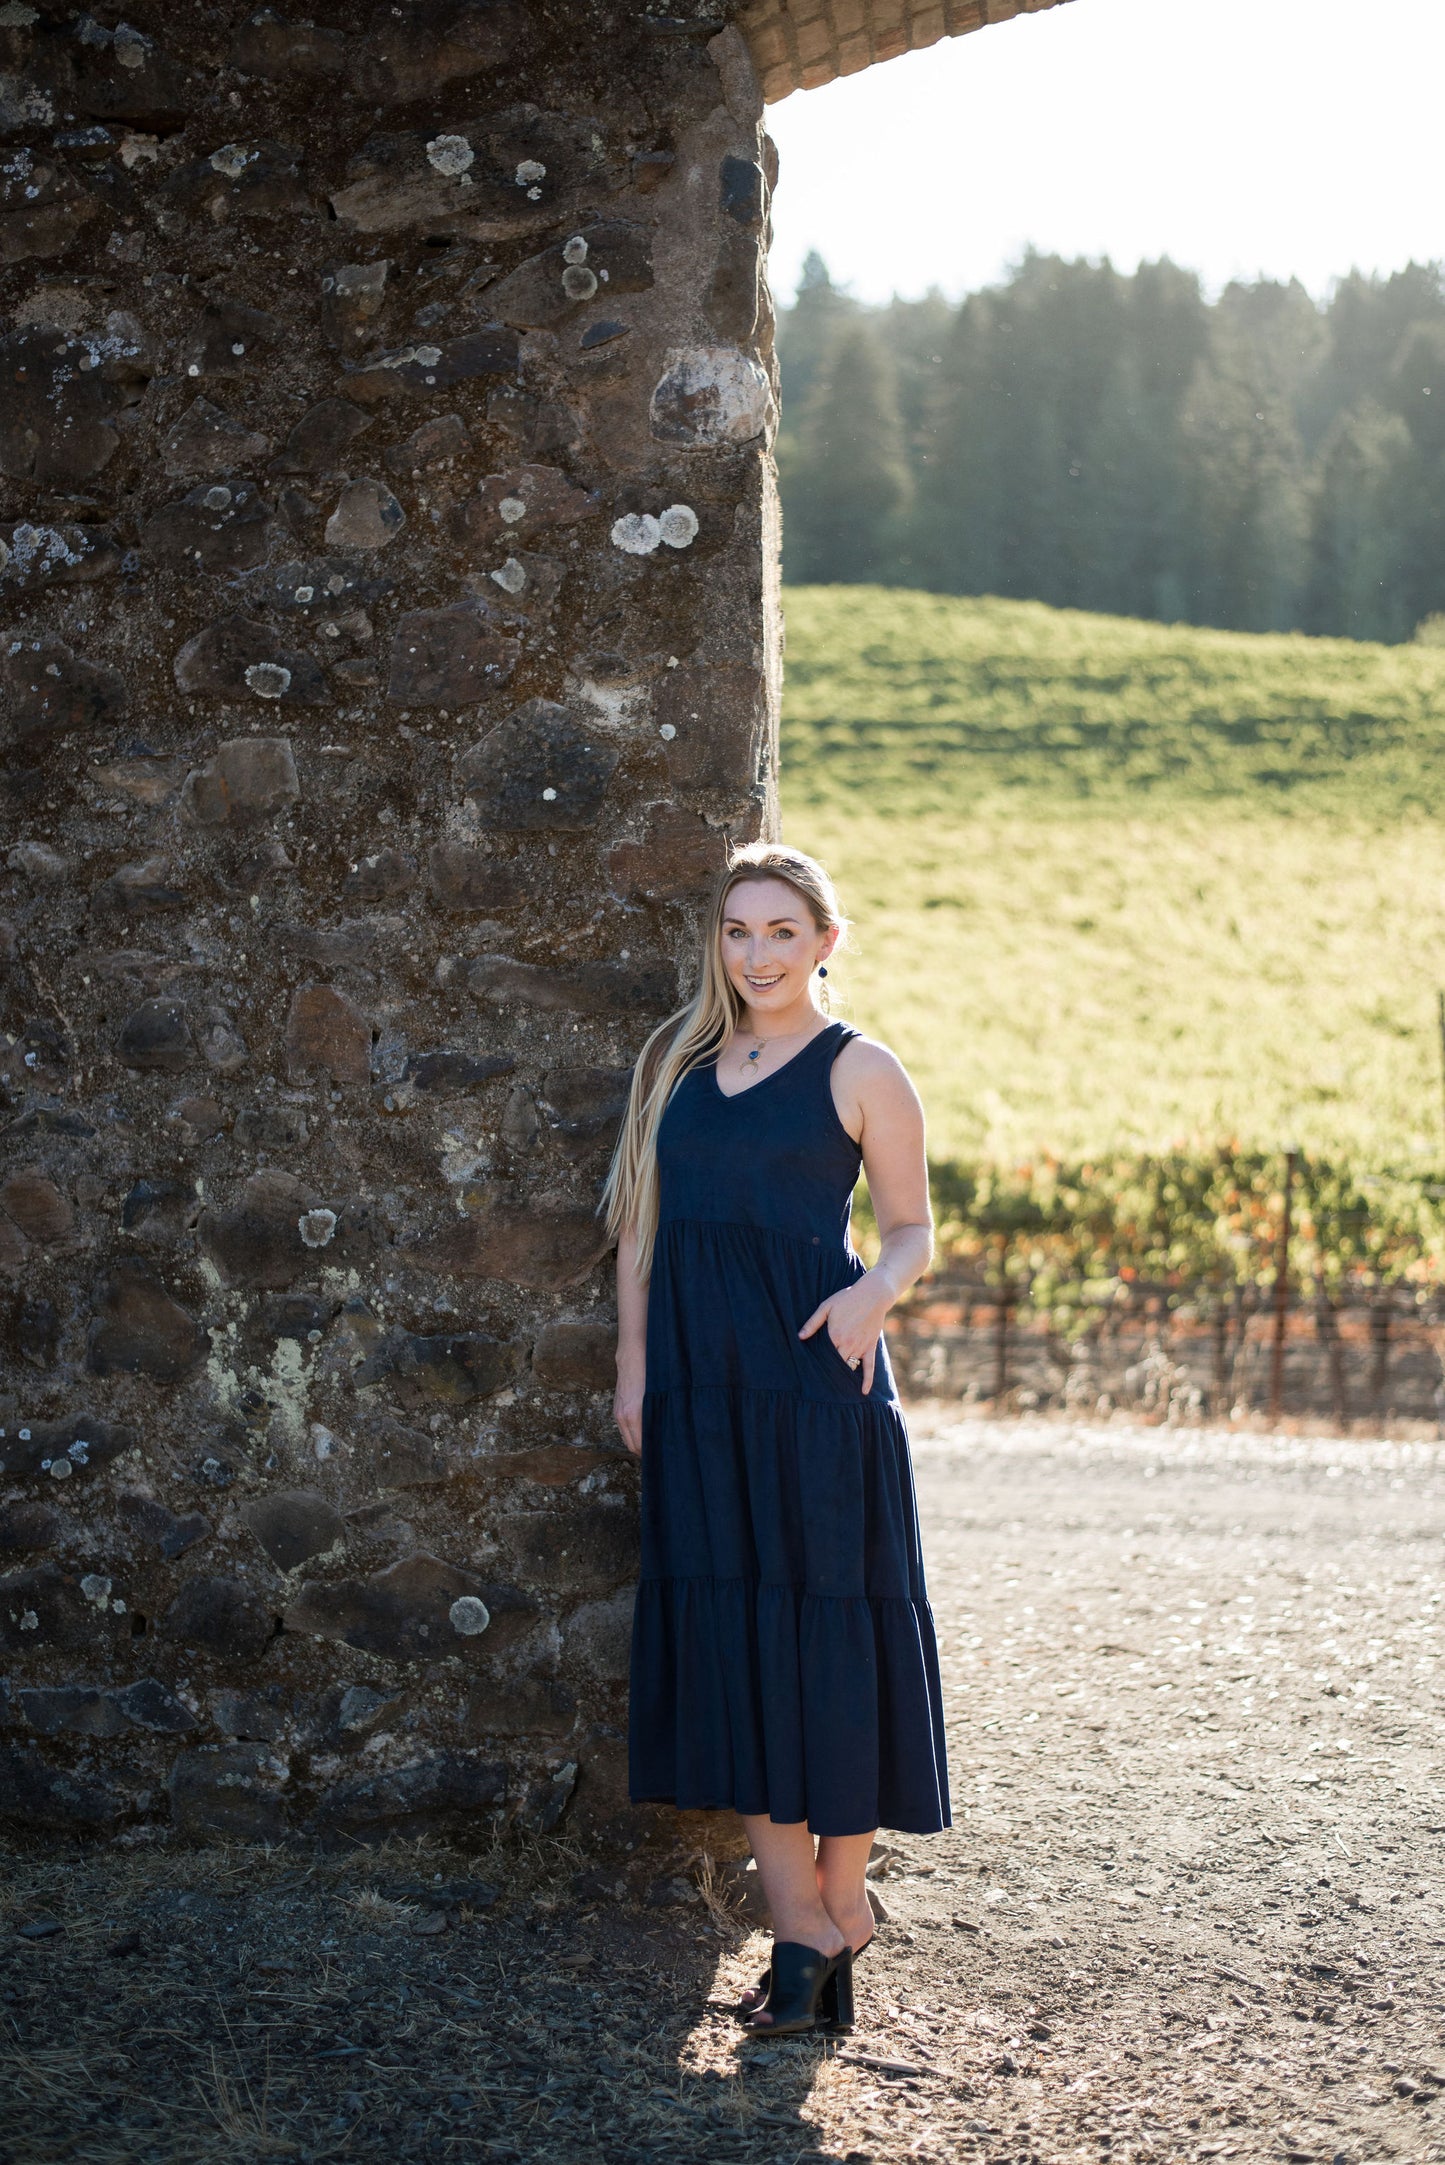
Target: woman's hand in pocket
x=854, y=1319
x=627, y=1402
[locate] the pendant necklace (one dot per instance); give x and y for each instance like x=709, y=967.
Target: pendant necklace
x=750, y=1062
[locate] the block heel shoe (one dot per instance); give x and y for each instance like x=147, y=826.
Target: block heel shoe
x=836, y=2004
x=807, y=1992
x=751, y=2001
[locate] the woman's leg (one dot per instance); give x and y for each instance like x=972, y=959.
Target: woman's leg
x=788, y=1868
x=842, y=1859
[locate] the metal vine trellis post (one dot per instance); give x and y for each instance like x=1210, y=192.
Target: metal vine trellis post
x=1281, y=1290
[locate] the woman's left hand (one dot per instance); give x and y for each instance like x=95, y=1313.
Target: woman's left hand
x=854, y=1318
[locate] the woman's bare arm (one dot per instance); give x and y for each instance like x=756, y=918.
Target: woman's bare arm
x=631, y=1344
x=880, y=1108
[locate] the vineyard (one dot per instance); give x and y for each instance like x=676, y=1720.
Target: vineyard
x=1142, y=907
x=1078, y=1234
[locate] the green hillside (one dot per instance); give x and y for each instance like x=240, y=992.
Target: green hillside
x=1126, y=886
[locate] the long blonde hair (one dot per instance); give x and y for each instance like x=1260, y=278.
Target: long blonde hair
x=696, y=1034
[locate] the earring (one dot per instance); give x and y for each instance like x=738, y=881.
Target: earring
x=822, y=969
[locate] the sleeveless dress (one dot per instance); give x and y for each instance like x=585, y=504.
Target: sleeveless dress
x=783, y=1652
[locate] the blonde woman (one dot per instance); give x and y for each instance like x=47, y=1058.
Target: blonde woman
x=783, y=1658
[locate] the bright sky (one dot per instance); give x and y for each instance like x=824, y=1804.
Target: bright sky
x=1239, y=137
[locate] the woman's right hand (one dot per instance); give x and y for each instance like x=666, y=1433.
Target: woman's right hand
x=631, y=1344
x=627, y=1403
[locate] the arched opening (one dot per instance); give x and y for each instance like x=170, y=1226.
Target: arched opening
x=1166, y=461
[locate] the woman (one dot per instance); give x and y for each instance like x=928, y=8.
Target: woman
x=783, y=1659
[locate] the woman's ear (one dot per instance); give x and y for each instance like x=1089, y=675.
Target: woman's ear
x=830, y=941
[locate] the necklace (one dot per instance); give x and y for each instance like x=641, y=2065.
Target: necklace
x=749, y=1065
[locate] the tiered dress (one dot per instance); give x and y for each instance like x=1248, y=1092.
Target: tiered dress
x=783, y=1652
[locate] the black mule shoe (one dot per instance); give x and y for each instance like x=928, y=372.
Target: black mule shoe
x=752, y=2001
x=837, y=2001
x=807, y=1991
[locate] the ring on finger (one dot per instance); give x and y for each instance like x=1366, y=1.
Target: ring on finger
x=856, y=1361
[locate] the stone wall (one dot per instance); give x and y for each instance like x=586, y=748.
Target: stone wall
x=801, y=44
x=389, y=543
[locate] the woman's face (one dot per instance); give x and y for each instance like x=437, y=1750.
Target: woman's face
x=770, y=944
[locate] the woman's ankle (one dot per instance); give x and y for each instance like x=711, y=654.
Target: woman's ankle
x=853, y=1918
x=811, y=1930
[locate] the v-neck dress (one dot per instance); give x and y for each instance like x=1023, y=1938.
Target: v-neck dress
x=783, y=1652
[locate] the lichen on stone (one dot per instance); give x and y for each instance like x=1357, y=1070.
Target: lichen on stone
x=268, y=680
x=451, y=155
x=231, y=159
x=637, y=533
x=678, y=526
x=317, y=1227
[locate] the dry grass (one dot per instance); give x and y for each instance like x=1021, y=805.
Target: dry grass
x=373, y=1908
x=719, y=1901
x=239, y=2111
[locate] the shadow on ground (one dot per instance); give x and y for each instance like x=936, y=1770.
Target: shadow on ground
x=161, y=2006
x=1190, y=1909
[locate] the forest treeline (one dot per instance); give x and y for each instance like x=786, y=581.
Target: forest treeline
x=1261, y=462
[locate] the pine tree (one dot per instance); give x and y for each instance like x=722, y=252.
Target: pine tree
x=1248, y=499
x=808, y=331
x=1360, y=581
x=1416, y=393
x=845, y=477
x=956, y=526
x=1132, y=510
x=916, y=332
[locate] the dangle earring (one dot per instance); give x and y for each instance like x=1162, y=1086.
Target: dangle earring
x=823, y=990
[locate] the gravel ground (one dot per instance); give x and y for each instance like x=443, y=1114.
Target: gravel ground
x=1190, y=1909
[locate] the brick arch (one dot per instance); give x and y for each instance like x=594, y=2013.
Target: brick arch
x=801, y=44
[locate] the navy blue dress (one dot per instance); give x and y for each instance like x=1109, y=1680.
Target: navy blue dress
x=783, y=1654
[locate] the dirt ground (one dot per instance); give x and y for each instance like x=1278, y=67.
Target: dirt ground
x=1190, y=1909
